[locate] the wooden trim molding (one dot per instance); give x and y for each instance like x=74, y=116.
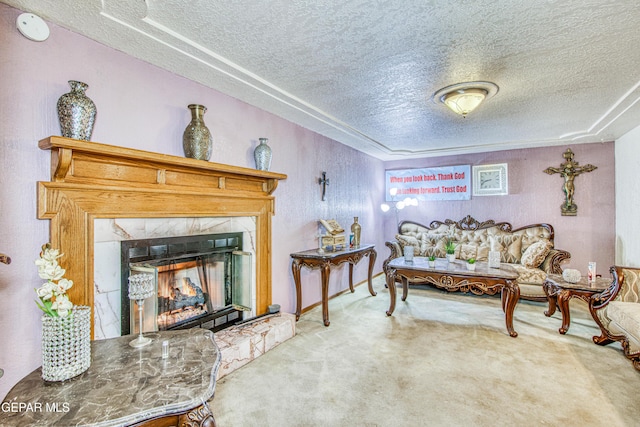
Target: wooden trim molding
x=91, y=180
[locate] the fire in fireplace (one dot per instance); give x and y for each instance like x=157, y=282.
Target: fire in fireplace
x=201, y=281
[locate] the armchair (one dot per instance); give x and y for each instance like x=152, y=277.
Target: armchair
x=617, y=312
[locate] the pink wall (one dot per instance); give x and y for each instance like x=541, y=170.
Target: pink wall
x=535, y=197
x=143, y=107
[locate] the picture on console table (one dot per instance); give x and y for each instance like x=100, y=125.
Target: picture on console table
x=490, y=180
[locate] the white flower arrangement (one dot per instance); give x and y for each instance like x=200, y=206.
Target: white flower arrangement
x=52, y=295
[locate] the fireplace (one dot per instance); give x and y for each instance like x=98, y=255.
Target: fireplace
x=200, y=281
x=93, y=183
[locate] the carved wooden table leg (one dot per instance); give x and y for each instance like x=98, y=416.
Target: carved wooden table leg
x=295, y=268
x=559, y=292
x=313, y=259
x=372, y=260
x=405, y=288
x=391, y=284
x=326, y=270
x=563, y=298
x=351, y=278
x=551, y=292
x=510, y=295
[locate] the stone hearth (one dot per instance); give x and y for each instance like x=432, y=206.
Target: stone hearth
x=241, y=344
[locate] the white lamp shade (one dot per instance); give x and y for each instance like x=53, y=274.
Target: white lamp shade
x=464, y=101
x=463, y=98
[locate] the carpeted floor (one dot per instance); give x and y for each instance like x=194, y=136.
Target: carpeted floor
x=442, y=359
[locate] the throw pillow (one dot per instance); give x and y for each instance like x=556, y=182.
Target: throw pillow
x=441, y=250
x=408, y=241
x=429, y=244
x=468, y=251
x=535, y=254
x=483, y=253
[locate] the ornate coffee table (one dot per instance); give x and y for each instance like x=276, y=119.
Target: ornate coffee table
x=454, y=276
x=559, y=292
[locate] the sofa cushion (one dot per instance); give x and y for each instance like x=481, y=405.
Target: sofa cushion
x=467, y=251
x=631, y=290
x=528, y=290
x=626, y=315
x=409, y=241
x=533, y=276
x=483, y=252
x=509, y=245
x=429, y=244
x=535, y=254
x=530, y=235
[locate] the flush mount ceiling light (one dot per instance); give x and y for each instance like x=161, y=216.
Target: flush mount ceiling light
x=463, y=98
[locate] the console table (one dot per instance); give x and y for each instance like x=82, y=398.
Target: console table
x=454, y=276
x=125, y=386
x=313, y=259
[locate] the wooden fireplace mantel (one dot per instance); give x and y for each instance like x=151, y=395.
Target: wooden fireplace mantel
x=91, y=180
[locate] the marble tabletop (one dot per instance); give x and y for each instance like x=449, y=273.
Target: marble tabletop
x=317, y=254
x=123, y=385
x=457, y=267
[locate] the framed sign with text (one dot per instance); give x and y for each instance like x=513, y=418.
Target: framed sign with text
x=490, y=180
x=430, y=184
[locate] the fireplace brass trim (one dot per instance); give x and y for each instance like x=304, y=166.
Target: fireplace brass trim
x=91, y=180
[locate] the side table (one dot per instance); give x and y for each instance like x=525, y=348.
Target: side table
x=125, y=386
x=313, y=259
x=559, y=292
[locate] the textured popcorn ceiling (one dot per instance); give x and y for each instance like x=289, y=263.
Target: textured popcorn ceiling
x=363, y=72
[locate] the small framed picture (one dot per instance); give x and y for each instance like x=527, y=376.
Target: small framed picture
x=490, y=180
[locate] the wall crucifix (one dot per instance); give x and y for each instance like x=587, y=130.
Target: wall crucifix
x=569, y=170
x=324, y=181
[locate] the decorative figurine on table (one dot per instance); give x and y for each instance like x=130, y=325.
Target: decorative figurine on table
x=333, y=240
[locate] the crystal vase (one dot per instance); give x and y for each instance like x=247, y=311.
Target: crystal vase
x=76, y=112
x=66, y=344
x=262, y=155
x=196, y=139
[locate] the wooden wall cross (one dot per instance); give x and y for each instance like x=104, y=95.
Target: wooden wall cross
x=569, y=170
x=324, y=181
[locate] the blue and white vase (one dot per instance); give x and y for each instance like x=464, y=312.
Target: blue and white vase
x=262, y=155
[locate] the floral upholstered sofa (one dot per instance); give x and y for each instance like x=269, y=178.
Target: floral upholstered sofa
x=617, y=312
x=530, y=249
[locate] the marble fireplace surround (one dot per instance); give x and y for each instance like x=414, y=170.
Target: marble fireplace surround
x=91, y=181
x=110, y=232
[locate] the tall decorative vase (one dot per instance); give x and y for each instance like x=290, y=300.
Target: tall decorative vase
x=66, y=344
x=196, y=139
x=356, y=229
x=262, y=154
x=76, y=112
